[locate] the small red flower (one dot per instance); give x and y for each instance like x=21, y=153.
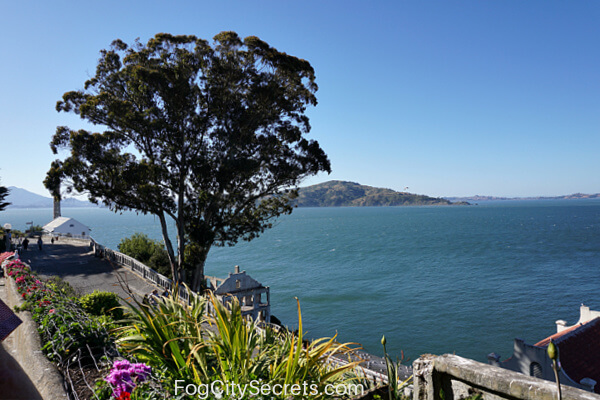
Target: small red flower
x=124, y=396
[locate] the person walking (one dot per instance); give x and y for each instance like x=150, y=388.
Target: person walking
x=40, y=242
x=25, y=244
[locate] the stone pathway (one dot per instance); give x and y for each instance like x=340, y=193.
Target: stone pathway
x=73, y=261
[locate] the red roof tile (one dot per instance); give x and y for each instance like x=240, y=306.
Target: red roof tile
x=544, y=342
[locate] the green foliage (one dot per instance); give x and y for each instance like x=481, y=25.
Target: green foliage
x=4, y=192
x=36, y=228
x=159, y=261
x=167, y=335
x=395, y=387
x=101, y=303
x=67, y=328
x=173, y=335
x=217, y=131
x=61, y=287
x=138, y=246
x=147, y=251
x=63, y=325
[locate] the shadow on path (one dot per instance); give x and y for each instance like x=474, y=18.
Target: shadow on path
x=75, y=263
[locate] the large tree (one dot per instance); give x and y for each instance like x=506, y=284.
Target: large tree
x=210, y=136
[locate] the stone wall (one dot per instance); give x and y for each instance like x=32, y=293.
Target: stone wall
x=451, y=377
x=26, y=340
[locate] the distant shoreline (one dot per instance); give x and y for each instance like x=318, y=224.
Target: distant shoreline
x=576, y=196
x=456, y=201
x=327, y=194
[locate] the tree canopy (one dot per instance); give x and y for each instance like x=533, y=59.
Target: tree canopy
x=210, y=136
x=4, y=192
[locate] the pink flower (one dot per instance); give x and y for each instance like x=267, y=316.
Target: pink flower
x=51, y=311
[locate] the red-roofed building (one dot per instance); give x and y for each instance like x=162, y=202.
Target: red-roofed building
x=579, y=352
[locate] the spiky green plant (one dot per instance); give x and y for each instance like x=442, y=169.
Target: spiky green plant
x=235, y=343
x=296, y=362
x=169, y=334
x=395, y=387
x=176, y=337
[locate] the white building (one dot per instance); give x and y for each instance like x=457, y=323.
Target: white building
x=64, y=226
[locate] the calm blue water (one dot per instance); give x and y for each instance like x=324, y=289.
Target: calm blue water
x=432, y=279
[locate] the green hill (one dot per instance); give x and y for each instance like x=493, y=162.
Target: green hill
x=350, y=194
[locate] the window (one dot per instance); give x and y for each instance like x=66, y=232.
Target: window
x=535, y=370
x=237, y=284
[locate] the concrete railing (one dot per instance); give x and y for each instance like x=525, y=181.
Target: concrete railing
x=451, y=377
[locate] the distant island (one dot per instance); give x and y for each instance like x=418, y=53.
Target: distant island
x=351, y=194
x=494, y=198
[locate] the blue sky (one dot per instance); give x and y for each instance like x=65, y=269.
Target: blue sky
x=445, y=97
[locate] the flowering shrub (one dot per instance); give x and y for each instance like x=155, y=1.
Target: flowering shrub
x=124, y=377
x=63, y=325
x=32, y=290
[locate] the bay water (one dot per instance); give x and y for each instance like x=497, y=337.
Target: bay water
x=462, y=279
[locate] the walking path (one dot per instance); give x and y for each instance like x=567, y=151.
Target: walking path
x=74, y=261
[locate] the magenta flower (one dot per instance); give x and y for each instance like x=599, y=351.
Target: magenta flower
x=124, y=376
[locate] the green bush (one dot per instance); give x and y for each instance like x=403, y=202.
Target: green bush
x=64, y=288
x=138, y=246
x=102, y=303
x=159, y=261
x=147, y=251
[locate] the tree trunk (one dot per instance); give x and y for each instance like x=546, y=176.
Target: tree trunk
x=169, y=246
x=198, y=283
x=180, y=227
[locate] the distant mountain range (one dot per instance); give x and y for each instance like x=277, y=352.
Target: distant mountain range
x=21, y=198
x=351, y=194
x=327, y=194
x=494, y=198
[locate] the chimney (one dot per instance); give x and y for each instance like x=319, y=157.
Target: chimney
x=588, y=384
x=56, y=208
x=237, y=269
x=494, y=359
